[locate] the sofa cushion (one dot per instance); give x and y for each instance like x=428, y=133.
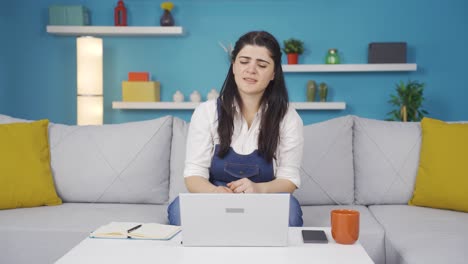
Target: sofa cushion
x=123, y=163
x=179, y=140
x=423, y=235
x=44, y=234
x=443, y=172
x=118, y=163
x=25, y=173
x=371, y=234
x=4, y=119
x=327, y=165
x=386, y=156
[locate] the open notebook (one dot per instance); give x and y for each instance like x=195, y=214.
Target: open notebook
x=136, y=231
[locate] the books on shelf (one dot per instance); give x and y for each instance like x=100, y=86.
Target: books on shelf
x=132, y=230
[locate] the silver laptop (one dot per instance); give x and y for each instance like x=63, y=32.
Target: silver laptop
x=210, y=219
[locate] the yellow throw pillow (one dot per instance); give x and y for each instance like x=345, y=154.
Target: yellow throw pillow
x=442, y=180
x=25, y=173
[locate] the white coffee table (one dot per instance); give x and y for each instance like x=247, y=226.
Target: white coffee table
x=127, y=251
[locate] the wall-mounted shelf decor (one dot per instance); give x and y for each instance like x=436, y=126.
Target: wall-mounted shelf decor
x=114, y=31
x=384, y=67
x=191, y=105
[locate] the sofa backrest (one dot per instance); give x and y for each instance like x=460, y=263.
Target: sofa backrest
x=386, y=158
x=346, y=160
x=179, y=139
x=327, y=174
x=131, y=161
x=326, y=171
x=118, y=163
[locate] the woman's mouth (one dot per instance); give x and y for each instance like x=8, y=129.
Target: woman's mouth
x=250, y=80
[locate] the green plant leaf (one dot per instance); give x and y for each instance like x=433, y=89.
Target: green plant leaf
x=408, y=94
x=293, y=45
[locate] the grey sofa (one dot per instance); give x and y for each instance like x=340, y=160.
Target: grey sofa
x=131, y=171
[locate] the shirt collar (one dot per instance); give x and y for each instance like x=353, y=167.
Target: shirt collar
x=238, y=110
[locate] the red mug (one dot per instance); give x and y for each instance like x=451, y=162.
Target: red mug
x=345, y=226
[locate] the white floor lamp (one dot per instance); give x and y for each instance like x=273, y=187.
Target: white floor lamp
x=89, y=81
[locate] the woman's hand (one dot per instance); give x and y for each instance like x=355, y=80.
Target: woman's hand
x=244, y=185
x=222, y=189
x=198, y=184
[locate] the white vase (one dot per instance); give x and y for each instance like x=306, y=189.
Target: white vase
x=178, y=97
x=213, y=94
x=195, y=97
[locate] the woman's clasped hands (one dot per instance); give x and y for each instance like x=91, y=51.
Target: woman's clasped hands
x=243, y=185
x=240, y=186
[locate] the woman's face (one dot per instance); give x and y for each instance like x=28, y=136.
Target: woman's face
x=253, y=70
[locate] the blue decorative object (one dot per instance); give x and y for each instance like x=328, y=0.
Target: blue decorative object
x=76, y=15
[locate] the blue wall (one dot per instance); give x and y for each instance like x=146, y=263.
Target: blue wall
x=42, y=73
x=4, y=61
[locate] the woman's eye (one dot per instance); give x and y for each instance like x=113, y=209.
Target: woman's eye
x=243, y=62
x=262, y=66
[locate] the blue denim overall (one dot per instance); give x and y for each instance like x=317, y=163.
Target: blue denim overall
x=236, y=166
x=233, y=167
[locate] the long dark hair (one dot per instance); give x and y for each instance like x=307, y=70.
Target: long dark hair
x=274, y=102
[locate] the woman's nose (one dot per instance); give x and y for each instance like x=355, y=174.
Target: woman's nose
x=251, y=68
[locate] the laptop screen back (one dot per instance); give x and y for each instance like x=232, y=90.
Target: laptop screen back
x=210, y=219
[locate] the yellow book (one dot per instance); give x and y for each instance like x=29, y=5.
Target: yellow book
x=141, y=91
x=131, y=230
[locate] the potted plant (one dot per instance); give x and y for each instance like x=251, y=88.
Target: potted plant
x=409, y=100
x=293, y=48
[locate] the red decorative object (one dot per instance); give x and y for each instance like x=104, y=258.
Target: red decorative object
x=120, y=14
x=293, y=58
x=138, y=76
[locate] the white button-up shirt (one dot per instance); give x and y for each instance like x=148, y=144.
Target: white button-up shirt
x=203, y=136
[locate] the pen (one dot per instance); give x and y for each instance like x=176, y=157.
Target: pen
x=133, y=228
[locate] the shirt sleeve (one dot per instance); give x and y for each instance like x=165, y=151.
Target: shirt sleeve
x=200, y=143
x=290, y=148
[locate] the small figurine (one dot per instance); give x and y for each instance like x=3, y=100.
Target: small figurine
x=120, y=14
x=323, y=92
x=213, y=94
x=311, y=90
x=195, y=97
x=178, y=97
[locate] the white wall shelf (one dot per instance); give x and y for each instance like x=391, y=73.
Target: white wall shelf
x=154, y=105
x=319, y=105
x=191, y=105
x=114, y=31
x=381, y=67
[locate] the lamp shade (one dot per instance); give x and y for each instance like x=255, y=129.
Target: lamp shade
x=90, y=110
x=89, y=81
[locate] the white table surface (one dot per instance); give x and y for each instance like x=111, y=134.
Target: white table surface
x=127, y=251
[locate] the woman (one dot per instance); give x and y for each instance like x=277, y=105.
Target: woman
x=248, y=140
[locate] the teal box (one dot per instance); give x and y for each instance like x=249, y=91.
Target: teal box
x=69, y=15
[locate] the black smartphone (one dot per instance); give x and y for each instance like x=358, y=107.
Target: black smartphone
x=314, y=236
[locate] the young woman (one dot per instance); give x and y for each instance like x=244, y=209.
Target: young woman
x=248, y=140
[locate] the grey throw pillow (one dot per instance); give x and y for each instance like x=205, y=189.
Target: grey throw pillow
x=327, y=166
x=386, y=158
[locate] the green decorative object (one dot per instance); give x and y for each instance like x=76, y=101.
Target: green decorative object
x=311, y=90
x=323, y=92
x=408, y=101
x=332, y=57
